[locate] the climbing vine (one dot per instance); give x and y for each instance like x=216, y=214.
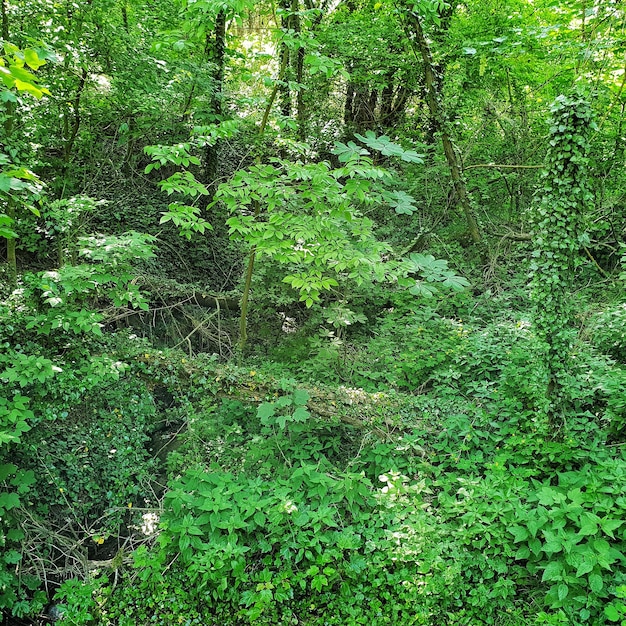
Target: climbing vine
x=558, y=236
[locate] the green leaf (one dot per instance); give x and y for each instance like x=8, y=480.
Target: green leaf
x=32, y=59
x=612, y=614
x=8, y=501
x=301, y=396
x=15, y=534
x=283, y=401
x=5, y=183
x=519, y=533
x=265, y=411
x=12, y=557
x=319, y=582
x=588, y=524
x=609, y=525
x=301, y=518
x=6, y=470
x=595, y=583
x=553, y=571
x=584, y=568
x=523, y=553
x=301, y=414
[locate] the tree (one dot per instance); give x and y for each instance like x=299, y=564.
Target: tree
x=414, y=18
x=558, y=237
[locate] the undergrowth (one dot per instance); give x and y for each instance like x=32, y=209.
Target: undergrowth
x=471, y=510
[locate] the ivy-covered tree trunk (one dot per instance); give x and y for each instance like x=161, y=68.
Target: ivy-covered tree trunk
x=216, y=53
x=558, y=236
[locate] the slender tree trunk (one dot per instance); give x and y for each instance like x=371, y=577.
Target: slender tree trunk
x=243, y=319
x=72, y=132
x=5, y=21
x=286, y=24
x=433, y=100
x=300, y=104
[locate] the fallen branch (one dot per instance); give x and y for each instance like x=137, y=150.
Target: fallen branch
x=354, y=407
x=374, y=412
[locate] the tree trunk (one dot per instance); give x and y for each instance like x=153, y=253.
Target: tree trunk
x=72, y=132
x=216, y=53
x=439, y=124
x=284, y=90
x=300, y=104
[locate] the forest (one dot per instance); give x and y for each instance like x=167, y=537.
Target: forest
x=312, y=312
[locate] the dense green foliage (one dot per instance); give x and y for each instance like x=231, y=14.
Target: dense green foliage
x=312, y=313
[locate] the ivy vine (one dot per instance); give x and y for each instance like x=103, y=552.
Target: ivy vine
x=558, y=225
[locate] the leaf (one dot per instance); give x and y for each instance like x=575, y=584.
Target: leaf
x=301, y=414
x=546, y=496
x=8, y=501
x=7, y=96
x=12, y=557
x=301, y=396
x=388, y=148
x=535, y=524
x=5, y=183
x=30, y=88
x=612, y=614
x=519, y=533
x=422, y=289
x=301, y=518
x=595, y=583
x=523, y=553
x=319, y=582
x=32, y=59
x=609, y=525
x=401, y=202
x=553, y=571
x=6, y=470
x=265, y=411
x=21, y=74
x=562, y=591
x=584, y=568
x=348, y=152
x=283, y=401
x=456, y=283
x=588, y=524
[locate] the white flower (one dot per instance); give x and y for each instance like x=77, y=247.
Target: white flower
x=290, y=507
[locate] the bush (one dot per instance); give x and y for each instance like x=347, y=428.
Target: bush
x=608, y=332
